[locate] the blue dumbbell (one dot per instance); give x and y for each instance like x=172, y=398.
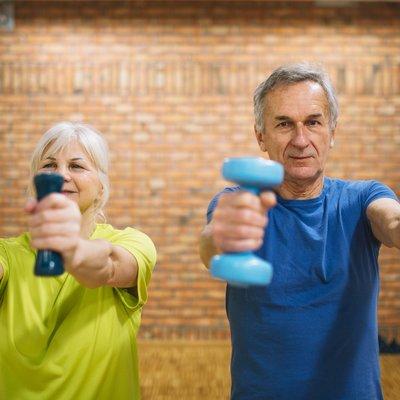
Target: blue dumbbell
x=253, y=174
x=48, y=262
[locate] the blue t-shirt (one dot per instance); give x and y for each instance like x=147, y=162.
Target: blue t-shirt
x=312, y=333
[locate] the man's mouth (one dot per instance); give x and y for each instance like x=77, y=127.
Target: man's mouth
x=300, y=157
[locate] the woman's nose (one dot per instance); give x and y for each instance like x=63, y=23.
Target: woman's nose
x=63, y=170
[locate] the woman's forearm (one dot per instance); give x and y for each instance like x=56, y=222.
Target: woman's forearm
x=98, y=263
x=91, y=264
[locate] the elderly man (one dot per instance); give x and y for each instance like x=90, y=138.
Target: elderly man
x=312, y=333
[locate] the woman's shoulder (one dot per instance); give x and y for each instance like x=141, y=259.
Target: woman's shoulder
x=15, y=249
x=21, y=241
x=130, y=238
x=107, y=231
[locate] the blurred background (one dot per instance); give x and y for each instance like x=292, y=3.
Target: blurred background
x=170, y=84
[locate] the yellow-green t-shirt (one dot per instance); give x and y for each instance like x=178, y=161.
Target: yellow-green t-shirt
x=62, y=341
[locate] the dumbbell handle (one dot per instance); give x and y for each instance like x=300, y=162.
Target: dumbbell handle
x=48, y=262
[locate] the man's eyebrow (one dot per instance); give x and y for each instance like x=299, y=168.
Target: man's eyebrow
x=318, y=115
x=282, y=118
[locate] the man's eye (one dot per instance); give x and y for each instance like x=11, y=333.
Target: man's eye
x=283, y=124
x=313, y=122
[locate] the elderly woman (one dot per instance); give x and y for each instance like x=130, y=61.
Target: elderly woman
x=72, y=336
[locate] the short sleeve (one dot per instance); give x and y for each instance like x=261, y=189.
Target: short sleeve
x=376, y=190
x=4, y=264
x=144, y=251
x=214, y=201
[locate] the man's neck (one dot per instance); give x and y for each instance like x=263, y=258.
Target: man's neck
x=301, y=190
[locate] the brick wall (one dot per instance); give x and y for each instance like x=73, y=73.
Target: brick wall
x=170, y=86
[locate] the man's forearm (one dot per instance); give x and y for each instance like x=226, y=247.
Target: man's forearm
x=207, y=248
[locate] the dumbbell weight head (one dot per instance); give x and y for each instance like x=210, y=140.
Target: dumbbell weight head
x=253, y=173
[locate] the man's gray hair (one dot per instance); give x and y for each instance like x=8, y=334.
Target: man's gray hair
x=288, y=75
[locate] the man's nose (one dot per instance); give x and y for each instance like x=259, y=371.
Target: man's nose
x=300, y=138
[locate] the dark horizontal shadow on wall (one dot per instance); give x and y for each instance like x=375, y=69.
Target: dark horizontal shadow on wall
x=175, y=78
x=368, y=14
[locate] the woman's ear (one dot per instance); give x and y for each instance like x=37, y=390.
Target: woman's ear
x=99, y=196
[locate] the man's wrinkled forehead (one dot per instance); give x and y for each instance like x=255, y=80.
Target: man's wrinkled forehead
x=298, y=98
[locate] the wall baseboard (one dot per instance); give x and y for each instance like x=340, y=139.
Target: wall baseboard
x=388, y=346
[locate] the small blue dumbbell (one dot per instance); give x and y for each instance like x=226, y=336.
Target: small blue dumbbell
x=48, y=262
x=253, y=174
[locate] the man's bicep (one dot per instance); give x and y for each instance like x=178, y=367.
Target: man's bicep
x=384, y=216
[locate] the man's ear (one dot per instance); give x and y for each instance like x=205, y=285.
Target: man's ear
x=260, y=139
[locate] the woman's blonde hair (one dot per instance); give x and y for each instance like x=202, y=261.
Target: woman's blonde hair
x=58, y=137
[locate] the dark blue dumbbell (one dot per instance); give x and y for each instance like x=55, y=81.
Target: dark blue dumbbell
x=48, y=262
x=253, y=174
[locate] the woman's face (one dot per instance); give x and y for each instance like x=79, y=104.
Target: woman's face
x=81, y=179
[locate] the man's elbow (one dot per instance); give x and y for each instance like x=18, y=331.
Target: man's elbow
x=396, y=232
x=391, y=237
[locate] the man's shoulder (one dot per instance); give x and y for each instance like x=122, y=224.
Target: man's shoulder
x=337, y=184
x=357, y=192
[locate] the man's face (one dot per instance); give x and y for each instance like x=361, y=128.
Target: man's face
x=297, y=132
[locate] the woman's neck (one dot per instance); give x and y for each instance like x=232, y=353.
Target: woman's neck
x=88, y=224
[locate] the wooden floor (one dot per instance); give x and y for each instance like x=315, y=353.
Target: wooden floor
x=200, y=371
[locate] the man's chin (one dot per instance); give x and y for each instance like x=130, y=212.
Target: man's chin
x=303, y=173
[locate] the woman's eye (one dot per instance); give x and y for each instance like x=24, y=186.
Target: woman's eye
x=49, y=165
x=76, y=166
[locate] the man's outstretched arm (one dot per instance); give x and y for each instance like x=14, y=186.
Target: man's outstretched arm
x=384, y=215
